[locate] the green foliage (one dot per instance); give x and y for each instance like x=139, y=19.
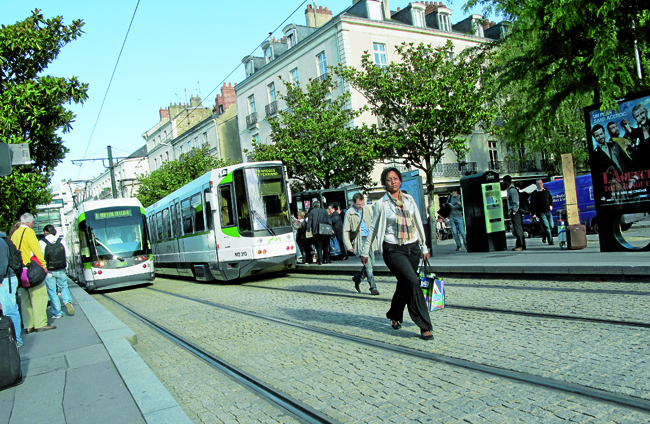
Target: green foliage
x=174, y=174
x=425, y=103
x=31, y=106
x=315, y=139
x=571, y=50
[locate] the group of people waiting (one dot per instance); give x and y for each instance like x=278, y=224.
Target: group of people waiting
x=50, y=253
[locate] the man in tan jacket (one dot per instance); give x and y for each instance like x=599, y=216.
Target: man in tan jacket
x=355, y=232
x=34, y=299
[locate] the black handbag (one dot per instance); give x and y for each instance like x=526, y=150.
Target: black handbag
x=325, y=229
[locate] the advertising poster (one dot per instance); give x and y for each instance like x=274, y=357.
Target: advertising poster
x=619, y=153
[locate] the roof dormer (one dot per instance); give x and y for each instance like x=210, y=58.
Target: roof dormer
x=472, y=25
x=291, y=35
x=252, y=64
x=438, y=16
x=413, y=14
x=377, y=10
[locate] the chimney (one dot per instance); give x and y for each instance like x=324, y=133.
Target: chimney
x=164, y=114
x=316, y=18
x=195, y=101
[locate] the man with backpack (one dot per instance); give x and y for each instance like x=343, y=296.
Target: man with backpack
x=57, y=282
x=10, y=259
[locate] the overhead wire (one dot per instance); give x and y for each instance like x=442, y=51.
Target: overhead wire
x=188, y=115
x=109, y=84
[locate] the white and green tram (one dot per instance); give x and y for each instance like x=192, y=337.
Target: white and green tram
x=230, y=223
x=109, y=245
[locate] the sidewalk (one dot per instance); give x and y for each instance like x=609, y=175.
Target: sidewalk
x=86, y=371
x=537, y=259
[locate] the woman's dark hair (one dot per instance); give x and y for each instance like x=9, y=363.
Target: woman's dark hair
x=387, y=171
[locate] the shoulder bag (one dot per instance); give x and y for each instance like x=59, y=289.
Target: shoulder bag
x=325, y=229
x=353, y=234
x=33, y=274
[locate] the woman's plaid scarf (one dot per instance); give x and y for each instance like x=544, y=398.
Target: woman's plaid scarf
x=404, y=219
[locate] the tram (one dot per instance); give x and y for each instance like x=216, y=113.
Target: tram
x=109, y=245
x=230, y=223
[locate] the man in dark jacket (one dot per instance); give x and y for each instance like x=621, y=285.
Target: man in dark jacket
x=541, y=203
x=337, y=224
x=319, y=216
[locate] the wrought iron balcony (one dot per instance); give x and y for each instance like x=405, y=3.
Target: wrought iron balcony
x=251, y=120
x=323, y=77
x=271, y=109
x=454, y=169
x=514, y=166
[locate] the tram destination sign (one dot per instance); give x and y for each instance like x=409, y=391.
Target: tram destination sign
x=268, y=172
x=113, y=214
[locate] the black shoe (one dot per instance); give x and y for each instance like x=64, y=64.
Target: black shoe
x=458, y=249
x=428, y=337
x=550, y=243
x=395, y=324
x=374, y=292
x=357, y=282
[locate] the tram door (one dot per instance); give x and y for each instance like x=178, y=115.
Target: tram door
x=172, y=256
x=211, y=242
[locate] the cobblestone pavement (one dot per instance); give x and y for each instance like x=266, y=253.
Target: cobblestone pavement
x=355, y=383
x=206, y=395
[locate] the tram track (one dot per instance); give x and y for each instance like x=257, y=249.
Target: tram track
x=549, y=383
x=301, y=412
x=475, y=308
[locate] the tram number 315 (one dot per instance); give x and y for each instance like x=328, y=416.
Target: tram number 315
x=241, y=254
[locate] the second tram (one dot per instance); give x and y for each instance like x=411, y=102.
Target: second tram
x=109, y=245
x=230, y=223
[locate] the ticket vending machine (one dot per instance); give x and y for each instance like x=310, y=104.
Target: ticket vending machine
x=483, y=211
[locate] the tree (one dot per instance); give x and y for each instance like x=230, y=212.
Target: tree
x=315, y=139
x=31, y=107
x=571, y=48
x=551, y=131
x=426, y=103
x=174, y=174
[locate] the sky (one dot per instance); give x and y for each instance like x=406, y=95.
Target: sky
x=173, y=50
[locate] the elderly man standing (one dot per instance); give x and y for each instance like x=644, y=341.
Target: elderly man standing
x=355, y=232
x=34, y=299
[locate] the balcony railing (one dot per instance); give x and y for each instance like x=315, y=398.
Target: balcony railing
x=271, y=108
x=251, y=120
x=322, y=77
x=454, y=169
x=514, y=167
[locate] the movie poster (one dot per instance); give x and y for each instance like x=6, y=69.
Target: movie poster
x=619, y=153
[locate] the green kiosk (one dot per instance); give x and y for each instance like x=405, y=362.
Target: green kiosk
x=483, y=211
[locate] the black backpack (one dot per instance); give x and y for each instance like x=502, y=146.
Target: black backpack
x=15, y=258
x=524, y=203
x=54, y=255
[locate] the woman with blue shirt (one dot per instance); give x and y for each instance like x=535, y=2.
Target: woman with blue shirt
x=397, y=225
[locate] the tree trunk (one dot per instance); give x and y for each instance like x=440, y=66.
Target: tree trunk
x=432, y=206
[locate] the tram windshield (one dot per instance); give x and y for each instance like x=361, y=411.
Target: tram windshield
x=114, y=233
x=261, y=199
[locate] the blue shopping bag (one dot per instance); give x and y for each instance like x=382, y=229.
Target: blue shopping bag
x=335, y=248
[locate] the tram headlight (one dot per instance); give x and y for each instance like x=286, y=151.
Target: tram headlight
x=99, y=264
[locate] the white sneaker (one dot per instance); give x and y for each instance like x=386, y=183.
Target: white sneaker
x=57, y=316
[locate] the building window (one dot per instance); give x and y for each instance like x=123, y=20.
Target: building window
x=291, y=40
x=322, y=63
x=271, y=90
x=249, y=68
x=205, y=138
x=255, y=139
x=380, y=54
x=182, y=149
x=220, y=109
x=478, y=29
x=196, y=142
x=167, y=156
x=443, y=22
x=155, y=164
x=418, y=18
x=165, y=139
x=293, y=74
x=251, y=104
x=268, y=54
x=375, y=10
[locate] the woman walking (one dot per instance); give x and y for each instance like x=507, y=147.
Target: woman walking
x=397, y=224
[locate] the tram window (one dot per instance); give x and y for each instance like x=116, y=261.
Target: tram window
x=159, y=226
x=152, y=228
x=243, y=213
x=208, y=209
x=172, y=210
x=225, y=205
x=187, y=217
x=167, y=232
x=197, y=208
x=178, y=220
